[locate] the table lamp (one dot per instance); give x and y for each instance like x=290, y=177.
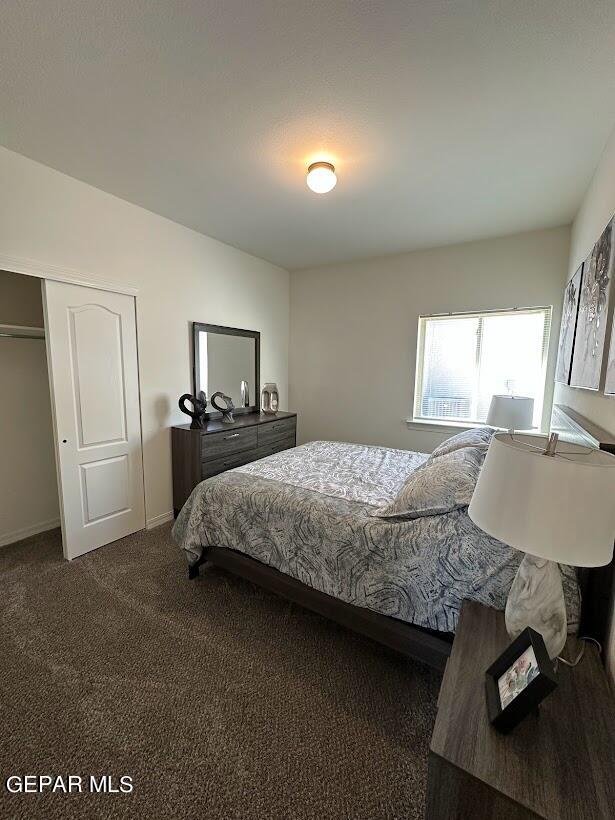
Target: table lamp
x=555, y=502
x=511, y=412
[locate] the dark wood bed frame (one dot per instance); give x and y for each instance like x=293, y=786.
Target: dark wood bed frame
x=427, y=645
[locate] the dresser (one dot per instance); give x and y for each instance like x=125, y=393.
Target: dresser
x=201, y=454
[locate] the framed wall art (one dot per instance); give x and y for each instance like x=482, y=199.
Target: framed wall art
x=593, y=312
x=570, y=312
x=609, y=385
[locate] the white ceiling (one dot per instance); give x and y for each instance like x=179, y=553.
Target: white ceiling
x=448, y=120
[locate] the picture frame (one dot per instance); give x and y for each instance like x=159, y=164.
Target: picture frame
x=593, y=310
x=609, y=383
x=518, y=681
x=568, y=327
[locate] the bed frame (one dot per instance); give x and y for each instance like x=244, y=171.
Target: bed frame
x=426, y=645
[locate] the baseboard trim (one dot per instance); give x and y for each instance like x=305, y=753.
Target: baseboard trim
x=158, y=520
x=26, y=532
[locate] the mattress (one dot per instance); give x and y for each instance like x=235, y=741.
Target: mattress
x=306, y=512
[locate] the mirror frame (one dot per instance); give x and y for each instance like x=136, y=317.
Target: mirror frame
x=200, y=327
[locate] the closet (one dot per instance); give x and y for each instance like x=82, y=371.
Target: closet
x=28, y=482
x=70, y=424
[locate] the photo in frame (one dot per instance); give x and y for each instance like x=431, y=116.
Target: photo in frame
x=518, y=681
x=570, y=313
x=593, y=312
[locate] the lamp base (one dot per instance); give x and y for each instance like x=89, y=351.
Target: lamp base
x=536, y=599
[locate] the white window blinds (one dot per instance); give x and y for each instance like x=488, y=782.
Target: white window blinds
x=464, y=359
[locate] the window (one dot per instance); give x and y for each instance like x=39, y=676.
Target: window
x=464, y=358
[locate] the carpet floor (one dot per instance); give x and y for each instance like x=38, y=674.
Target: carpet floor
x=218, y=699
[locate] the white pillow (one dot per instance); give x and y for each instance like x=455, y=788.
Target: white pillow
x=436, y=487
x=477, y=437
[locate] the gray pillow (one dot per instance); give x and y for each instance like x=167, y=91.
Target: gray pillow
x=477, y=437
x=436, y=487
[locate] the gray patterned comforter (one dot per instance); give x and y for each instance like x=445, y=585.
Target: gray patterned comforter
x=306, y=512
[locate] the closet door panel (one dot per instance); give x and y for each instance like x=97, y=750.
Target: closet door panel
x=97, y=358
x=105, y=488
x=92, y=353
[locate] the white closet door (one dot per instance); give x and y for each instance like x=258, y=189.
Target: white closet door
x=92, y=355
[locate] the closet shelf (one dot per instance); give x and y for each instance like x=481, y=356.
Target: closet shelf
x=21, y=332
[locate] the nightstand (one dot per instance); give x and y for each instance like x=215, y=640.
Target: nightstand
x=558, y=763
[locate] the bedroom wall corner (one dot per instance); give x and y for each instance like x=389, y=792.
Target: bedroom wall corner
x=354, y=328
x=597, y=208
x=181, y=276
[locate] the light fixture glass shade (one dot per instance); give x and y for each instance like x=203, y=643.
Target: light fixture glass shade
x=511, y=412
x=559, y=507
x=321, y=177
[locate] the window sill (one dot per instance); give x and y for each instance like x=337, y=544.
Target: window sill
x=440, y=426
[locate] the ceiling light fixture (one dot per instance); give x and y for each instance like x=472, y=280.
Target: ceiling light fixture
x=321, y=177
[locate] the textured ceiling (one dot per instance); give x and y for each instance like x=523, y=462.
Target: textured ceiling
x=447, y=120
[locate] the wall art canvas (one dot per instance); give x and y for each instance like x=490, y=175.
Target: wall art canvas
x=593, y=311
x=609, y=387
x=570, y=311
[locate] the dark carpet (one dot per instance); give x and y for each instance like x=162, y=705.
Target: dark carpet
x=219, y=700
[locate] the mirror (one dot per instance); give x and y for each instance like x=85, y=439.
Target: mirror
x=224, y=357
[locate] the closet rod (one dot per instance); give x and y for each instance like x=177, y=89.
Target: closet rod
x=20, y=336
x=21, y=332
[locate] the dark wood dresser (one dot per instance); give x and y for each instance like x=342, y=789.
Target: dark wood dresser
x=200, y=454
x=558, y=764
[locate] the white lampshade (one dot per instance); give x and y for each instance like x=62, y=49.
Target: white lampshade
x=559, y=507
x=511, y=412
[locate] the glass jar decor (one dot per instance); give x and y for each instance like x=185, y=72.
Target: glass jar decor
x=270, y=398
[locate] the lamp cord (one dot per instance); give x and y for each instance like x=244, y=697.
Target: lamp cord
x=578, y=658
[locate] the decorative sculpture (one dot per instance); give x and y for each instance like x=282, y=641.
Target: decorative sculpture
x=227, y=412
x=270, y=398
x=199, y=405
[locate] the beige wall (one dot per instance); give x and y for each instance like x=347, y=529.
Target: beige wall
x=597, y=208
x=181, y=275
x=354, y=328
x=28, y=484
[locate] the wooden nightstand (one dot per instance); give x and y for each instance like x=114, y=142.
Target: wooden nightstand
x=559, y=763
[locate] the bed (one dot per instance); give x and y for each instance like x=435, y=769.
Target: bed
x=308, y=524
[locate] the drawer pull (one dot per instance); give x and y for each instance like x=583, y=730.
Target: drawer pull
x=235, y=435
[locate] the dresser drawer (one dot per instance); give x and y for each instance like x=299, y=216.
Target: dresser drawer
x=199, y=454
x=217, y=445
x=275, y=447
x=214, y=466
x=275, y=431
